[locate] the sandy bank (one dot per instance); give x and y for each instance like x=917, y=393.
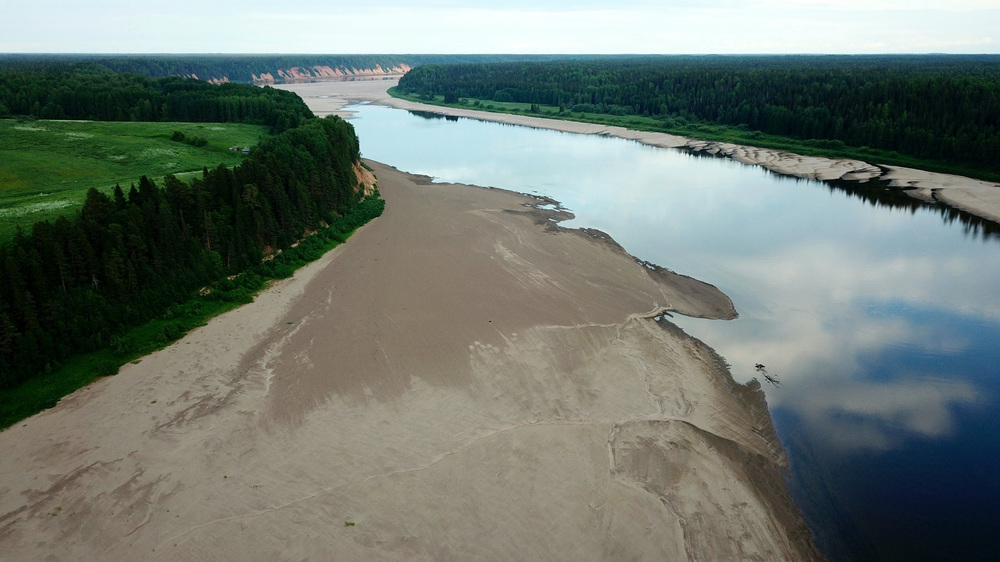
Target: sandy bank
x=461, y=380
x=974, y=196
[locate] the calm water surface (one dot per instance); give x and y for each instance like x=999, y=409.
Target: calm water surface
x=881, y=324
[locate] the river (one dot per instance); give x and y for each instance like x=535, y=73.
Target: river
x=878, y=321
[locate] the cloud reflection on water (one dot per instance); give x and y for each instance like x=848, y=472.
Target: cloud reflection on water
x=877, y=416
x=822, y=319
x=822, y=281
x=881, y=322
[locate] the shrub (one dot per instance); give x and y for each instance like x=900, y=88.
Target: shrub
x=102, y=369
x=121, y=345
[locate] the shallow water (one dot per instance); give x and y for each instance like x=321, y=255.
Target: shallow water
x=881, y=323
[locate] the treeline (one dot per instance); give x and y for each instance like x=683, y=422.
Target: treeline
x=936, y=107
x=93, y=93
x=242, y=68
x=235, y=68
x=75, y=285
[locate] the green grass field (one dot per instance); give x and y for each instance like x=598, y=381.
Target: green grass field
x=720, y=133
x=46, y=167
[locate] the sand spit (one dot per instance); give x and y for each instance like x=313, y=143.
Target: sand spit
x=461, y=380
x=974, y=196
x=979, y=198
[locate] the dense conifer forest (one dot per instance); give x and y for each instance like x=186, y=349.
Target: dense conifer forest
x=79, y=283
x=944, y=108
x=94, y=93
x=242, y=68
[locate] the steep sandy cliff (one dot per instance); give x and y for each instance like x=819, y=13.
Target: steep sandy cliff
x=308, y=74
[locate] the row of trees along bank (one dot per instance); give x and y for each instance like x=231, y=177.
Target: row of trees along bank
x=943, y=108
x=76, y=285
x=94, y=93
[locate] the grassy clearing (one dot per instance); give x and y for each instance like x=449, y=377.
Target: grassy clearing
x=720, y=133
x=46, y=167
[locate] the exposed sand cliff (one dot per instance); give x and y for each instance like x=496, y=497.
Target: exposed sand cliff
x=299, y=74
x=222, y=80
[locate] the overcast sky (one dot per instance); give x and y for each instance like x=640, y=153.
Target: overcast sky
x=516, y=26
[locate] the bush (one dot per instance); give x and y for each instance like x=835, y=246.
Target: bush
x=193, y=141
x=238, y=296
x=826, y=143
x=170, y=332
x=121, y=345
x=102, y=369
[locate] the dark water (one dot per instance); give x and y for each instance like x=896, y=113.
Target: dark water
x=880, y=318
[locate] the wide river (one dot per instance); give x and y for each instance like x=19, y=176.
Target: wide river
x=880, y=323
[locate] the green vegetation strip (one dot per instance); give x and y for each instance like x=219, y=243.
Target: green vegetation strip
x=46, y=167
x=45, y=391
x=709, y=132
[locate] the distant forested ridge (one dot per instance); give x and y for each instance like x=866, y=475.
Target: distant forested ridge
x=94, y=93
x=252, y=68
x=77, y=284
x=938, y=107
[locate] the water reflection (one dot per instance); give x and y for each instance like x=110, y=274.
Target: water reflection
x=878, y=416
x=879, y=194
x=431, y=115
x=880, y=319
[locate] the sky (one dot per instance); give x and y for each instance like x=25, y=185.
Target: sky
x=515, y=26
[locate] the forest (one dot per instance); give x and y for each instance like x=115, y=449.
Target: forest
x=936, y=107
x=94, y=93
x=241, y=68
x=77, y=284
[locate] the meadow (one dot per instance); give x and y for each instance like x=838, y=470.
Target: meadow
x=46, y=167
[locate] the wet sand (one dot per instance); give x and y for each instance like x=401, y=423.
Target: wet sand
x=977, y=197
x=463, y=380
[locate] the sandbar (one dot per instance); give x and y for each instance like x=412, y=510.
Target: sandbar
x=462, y=380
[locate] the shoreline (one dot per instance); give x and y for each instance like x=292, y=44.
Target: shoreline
x=485, y=386
x=976, y=197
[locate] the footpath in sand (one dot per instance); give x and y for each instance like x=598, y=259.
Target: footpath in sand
x=461, y=380
x=977, y=197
